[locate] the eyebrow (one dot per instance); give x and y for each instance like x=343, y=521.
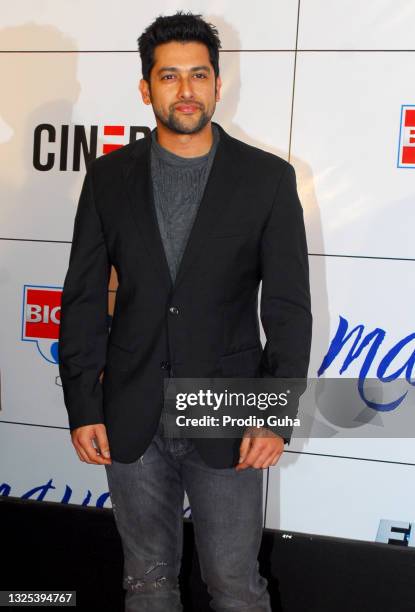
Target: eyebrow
x=174, y=69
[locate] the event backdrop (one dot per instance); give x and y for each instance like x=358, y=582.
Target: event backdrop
x=328, y=86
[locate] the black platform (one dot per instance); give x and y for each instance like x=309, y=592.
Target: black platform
x=51, y=546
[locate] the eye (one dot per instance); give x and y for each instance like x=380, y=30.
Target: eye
x=200, y=74
x=166, y=76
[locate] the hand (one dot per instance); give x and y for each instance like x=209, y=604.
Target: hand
x=259, y=450
x=82, y=440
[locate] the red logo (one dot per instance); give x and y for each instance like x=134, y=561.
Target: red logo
x=406, y=156
x=67, y=147
x=112, y=130
x=41, y=313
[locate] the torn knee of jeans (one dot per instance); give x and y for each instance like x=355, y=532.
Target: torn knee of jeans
x=147, y=581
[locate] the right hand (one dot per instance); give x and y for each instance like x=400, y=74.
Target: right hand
x=82, y=440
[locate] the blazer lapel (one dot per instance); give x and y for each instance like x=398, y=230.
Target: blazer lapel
x=216, y=197
x=140, y=194
x=215, y=200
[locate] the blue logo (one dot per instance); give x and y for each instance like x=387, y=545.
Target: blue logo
x=359, y=341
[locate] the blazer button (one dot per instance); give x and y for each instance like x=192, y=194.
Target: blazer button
x=174, y=310
x=165, y=365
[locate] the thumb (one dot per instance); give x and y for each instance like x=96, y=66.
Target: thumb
x=102, y=441
x=244, y=448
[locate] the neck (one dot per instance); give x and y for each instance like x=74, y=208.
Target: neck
x=185, y=145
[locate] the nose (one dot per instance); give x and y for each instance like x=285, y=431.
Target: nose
x=186, y=89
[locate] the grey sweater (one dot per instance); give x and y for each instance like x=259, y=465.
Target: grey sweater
x=178, y=186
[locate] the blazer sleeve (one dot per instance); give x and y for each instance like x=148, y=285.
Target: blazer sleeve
x=83, y=331
x=285, y=306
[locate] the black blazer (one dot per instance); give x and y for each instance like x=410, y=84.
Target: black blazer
x=249, y=226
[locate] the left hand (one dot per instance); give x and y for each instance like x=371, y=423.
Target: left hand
x=259, y=451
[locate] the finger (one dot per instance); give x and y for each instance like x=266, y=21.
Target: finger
x=102, y=442
x=244, y=448
x=258, y=447
x=91, y=452
x=242, y=466
x=272, y=447
x=276, y=459
x=85, y=456
x=261, y=454
x=255, y=451
x=250, y=463
x=272, y=460
x=77, y=448
x=81, y=453
x=262, y=460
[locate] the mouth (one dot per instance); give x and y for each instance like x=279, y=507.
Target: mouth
x=186, y=109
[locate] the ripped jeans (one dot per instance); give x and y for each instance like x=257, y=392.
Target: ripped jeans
x=226, y=507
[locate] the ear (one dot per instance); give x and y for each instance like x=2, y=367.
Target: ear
x=145, y=91
x=218, y=88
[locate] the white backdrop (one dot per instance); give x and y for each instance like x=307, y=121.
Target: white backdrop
x=326, y=85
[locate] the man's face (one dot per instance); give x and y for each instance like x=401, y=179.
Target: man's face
x=182, y=87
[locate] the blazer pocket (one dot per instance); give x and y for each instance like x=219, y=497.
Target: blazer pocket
x=243, y=363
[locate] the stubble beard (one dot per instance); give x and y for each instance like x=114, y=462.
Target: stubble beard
x=175, y=124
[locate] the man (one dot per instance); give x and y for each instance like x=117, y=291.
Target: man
x=192, y=219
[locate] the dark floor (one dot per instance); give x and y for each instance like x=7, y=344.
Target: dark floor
x=56, y=546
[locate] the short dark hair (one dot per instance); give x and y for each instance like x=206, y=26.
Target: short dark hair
x=179, y=27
